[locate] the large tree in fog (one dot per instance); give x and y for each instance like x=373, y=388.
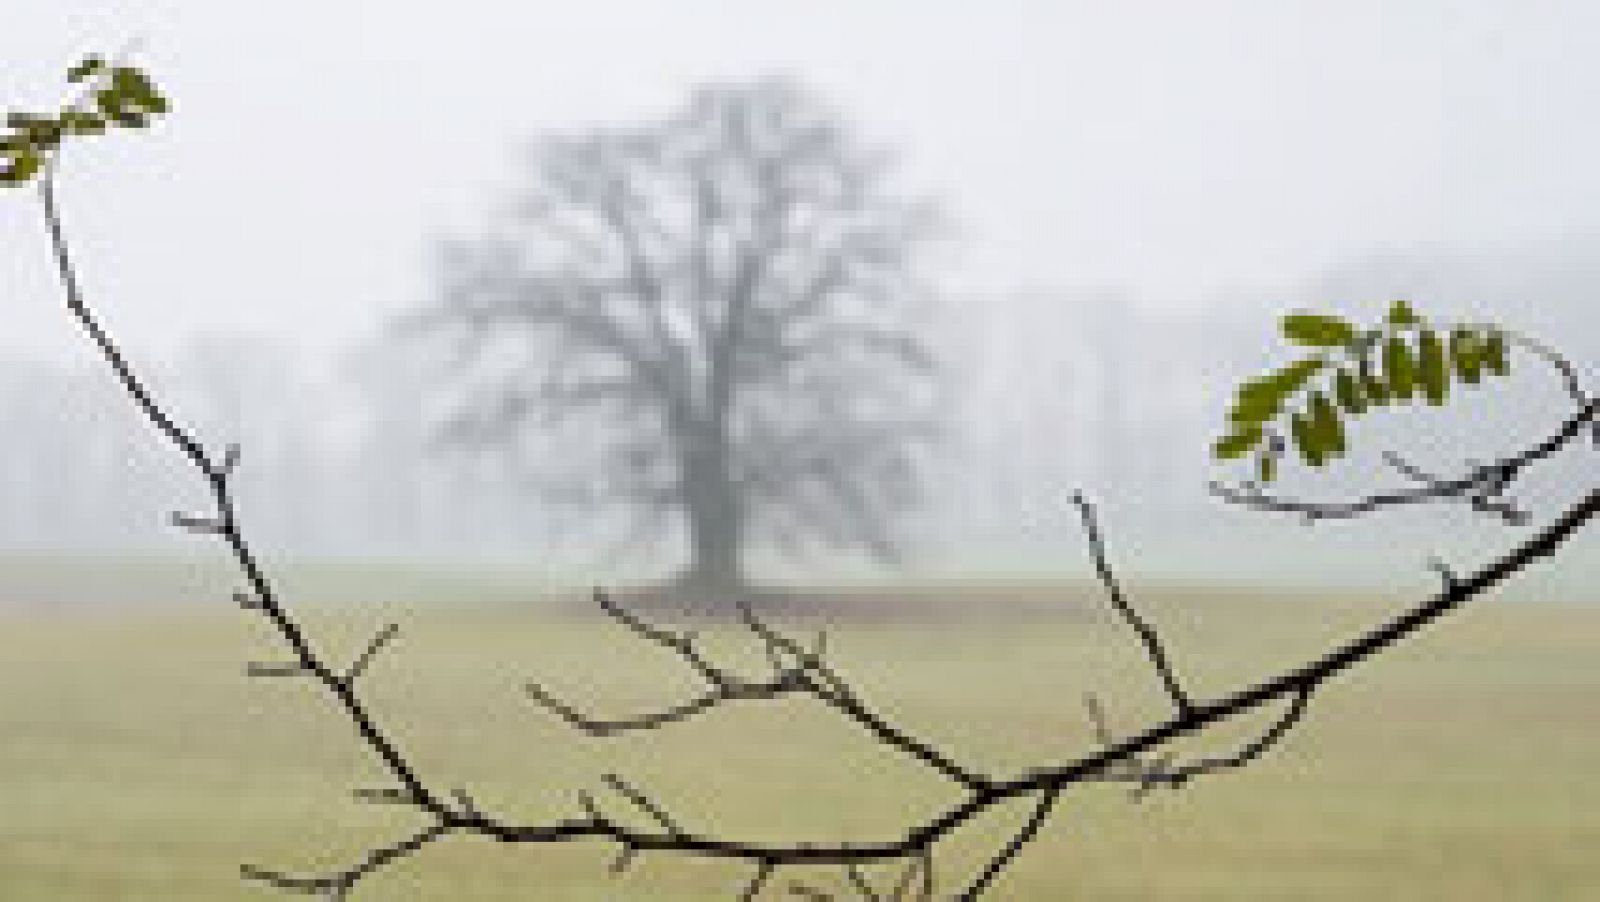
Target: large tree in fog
x=719, y=308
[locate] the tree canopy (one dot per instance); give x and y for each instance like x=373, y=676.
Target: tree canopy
x=721, y=308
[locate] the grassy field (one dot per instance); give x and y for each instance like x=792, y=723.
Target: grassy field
x=137, y=762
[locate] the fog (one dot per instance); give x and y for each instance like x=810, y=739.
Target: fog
x=1137, y=190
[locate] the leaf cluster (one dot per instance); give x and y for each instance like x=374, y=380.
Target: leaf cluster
x=1352, y=371
x=124, y=97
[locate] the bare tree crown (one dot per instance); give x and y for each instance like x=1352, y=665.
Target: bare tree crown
x=725, y=301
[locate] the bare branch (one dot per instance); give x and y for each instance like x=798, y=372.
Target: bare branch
x=680, y=644
x=359, y=665
x=753, y=888
x=1488, y=479
x=387, y=795
x=860, y=882
x=276, y=669
x=1484, y=498
x=837, y=693
x=786, y=684
x=1252, y=750
x=1446, y=574
x=1013, y=848
x=339, y=884
x=644, y=803
x=919, y=874
x=1153, y=647
x=261, y=596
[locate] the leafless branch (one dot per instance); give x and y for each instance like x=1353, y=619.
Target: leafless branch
x=339, y=885
x=1013, y=847
x=1484, y=481
x=1153, y=646
x=757, y=882
x=359, y=665
x=1485, y=498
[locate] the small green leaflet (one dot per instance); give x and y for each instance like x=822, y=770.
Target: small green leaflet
x=1325, y=427
x=1466, y=352
x=1305, y=440
x=1347, y=390
x=1401, y=314
x=1266, y=466
x=1259, y=400
x=1432, y=369
x=1494, y=352
x=1315, y=330
x=24, y=165
x=1373, y=388
x=1400, y=371
x=89, y=66
x=1237, y=444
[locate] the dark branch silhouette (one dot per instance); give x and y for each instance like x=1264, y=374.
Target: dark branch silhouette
x=1142, y=758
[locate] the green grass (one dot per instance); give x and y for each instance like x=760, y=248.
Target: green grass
x=137, y=762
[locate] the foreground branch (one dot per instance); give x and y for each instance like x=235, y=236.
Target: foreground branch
x=800, y=670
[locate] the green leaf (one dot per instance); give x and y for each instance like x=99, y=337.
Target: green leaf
x=1400, y=371
x=24, y=165
x=136, y=88
x=1297, y=374
x=129, y=81
x=1318, y=331
x=110, y=101
x=1466, y=352
x=1260, y=399
x=1401, y=314
x=1238, y=443
x=1494, y=353
x=1348, y=392
x=1305, y=440
x=1254, y=407
x=89, y=66
x=1432, y=369
x=1322, y=422
x=1266, y=466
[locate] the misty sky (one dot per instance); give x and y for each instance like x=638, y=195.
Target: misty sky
x=1177, y=149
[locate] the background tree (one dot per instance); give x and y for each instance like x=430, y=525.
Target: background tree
x=721, y=304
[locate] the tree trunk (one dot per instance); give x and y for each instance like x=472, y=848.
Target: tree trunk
x=715, y=518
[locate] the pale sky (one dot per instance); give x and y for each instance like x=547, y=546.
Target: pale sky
x=1176, y=149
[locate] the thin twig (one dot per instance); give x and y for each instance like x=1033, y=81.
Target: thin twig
x=1153, y=647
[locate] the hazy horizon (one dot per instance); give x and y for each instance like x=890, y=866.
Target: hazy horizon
x=1209, y=164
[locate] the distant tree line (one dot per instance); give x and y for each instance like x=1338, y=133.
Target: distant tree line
x=382, y=486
